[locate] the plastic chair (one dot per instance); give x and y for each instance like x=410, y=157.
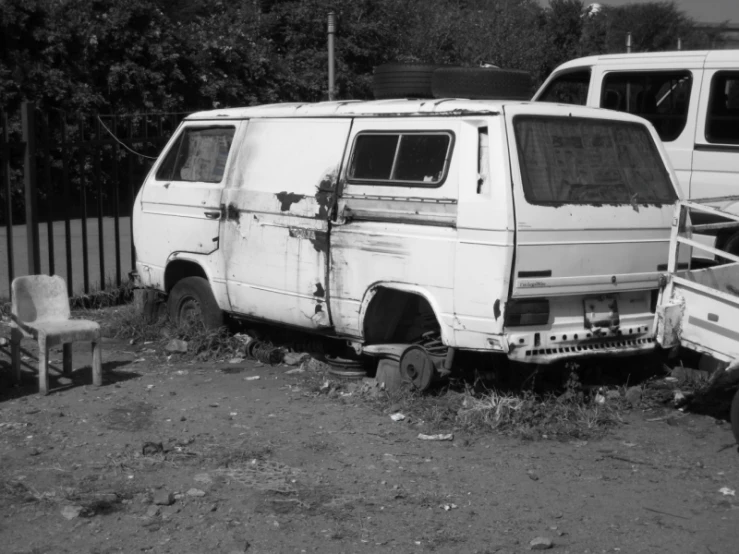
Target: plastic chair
x=40, y=310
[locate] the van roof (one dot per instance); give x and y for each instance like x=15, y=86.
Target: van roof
x=670, y=58
x=359, y=108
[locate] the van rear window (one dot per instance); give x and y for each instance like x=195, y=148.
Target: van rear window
x=415, y=159
x=590, y=162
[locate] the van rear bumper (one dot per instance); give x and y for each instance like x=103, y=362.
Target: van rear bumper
x=591, y=348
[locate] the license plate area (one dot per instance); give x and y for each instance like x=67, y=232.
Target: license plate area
x=601, y=312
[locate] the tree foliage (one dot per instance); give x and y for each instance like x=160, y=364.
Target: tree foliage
x=124, y=56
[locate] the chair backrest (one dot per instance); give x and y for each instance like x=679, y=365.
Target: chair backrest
x=39, y=298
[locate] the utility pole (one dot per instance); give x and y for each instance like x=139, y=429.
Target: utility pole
x=331, y=32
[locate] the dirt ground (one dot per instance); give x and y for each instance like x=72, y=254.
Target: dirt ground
x=192, y=457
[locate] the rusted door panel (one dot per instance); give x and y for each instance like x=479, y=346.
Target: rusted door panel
x=275, y=235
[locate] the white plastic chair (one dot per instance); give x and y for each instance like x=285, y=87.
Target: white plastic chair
x=40, y=310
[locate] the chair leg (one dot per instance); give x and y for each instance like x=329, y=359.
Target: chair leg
x=15, y=357
x=97, y=364
x=67, y=358
x=43, y=366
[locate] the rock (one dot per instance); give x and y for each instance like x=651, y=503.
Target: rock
x=540, y=543
x=152, y=448
x=71, y=512
x=163, y=498
x=203, y=478
x=64, y=381
x=3, y=341
x=152, y=511
x=176, y=345
x=633, y=395
x=195, y=492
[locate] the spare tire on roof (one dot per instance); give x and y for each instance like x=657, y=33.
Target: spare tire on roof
x=403, y=80
x=481, y=83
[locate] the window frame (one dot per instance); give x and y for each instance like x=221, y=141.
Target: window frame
x=556, y=78
x=177, y=144
x=711, y=97
x=395, y=182
x=559, y=204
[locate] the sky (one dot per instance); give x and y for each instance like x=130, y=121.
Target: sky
x=703, y=11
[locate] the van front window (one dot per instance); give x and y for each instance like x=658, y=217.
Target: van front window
x=590, y=162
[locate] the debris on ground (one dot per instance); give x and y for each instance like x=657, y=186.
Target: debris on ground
x=163, y=498
x=397, y=417
x=726, y=491
x=295, y=358
x=438, y=437
x=176, y=346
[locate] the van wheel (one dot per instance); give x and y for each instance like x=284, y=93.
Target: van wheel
x=483, y=83
x=402, y=80
x=735, y=416
x=191, y=302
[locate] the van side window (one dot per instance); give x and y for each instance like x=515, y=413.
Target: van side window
x=662, y=97
x=568, y=88
x=414, y=158
x=722, y=120
x=198, y=155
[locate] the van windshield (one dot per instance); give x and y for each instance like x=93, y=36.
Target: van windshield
x=590, y=162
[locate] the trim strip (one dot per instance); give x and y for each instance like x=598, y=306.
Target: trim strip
x=716, y=147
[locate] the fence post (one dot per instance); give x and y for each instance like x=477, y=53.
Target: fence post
x=28, y=122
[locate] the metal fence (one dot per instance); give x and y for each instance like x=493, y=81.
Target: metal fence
x=68, y=183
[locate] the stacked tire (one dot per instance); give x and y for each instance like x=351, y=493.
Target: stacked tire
x=404, y=80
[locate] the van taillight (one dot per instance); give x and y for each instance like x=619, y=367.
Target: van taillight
x=529, y=311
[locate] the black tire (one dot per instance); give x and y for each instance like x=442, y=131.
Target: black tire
x=191, y=302
x=485, y=83
x=735, y=416
x=403, y=80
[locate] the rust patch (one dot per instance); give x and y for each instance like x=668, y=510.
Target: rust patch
x=320, y=241
x=320, y=292
x=496, y=309
x=232, y=213
x=287, y=199
x=301, y=233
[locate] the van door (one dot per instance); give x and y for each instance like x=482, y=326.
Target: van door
x=663, y=92
x=594, y=204
x=180, y=201
x=396, y=222
x=275, y=232
x=716, y=158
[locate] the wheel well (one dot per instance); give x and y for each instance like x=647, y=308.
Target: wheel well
x=179, y=269
x=395, y=316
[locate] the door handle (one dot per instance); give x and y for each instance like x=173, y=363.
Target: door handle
x=213, y=214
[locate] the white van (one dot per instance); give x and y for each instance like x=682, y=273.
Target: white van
x=533, y=230
x=691, y=98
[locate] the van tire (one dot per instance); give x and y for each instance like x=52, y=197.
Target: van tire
x=191, y=302
x=403, y=80
x=735, y=416
x=485, y=83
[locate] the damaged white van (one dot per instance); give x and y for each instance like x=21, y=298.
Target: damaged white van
x=533, y=230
